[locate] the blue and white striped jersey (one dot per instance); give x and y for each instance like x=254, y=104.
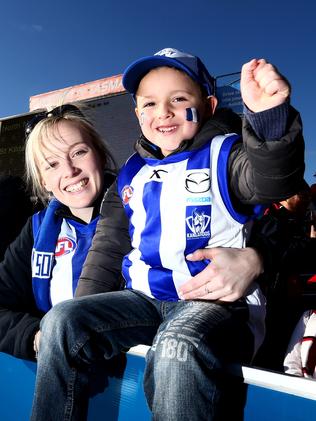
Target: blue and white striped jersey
x=176, y=206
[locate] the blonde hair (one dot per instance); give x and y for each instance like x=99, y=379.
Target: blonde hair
x=35, y=143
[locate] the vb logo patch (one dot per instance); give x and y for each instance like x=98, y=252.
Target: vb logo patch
x=126, y=194
x=65, y=245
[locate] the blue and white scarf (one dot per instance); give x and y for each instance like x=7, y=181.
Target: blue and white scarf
x=46, y=228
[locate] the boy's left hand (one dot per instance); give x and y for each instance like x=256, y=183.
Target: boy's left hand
x=262, y=86
x=227, y=277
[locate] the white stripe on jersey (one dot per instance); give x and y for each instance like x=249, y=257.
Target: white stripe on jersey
x=173, y=234
x=61, y=287
x=139, y=273
x=139, y=270
x=138, y=219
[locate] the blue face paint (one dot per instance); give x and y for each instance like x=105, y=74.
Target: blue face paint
x=192, y=114
x=142, y=118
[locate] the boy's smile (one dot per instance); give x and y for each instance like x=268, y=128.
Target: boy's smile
x=163, y=96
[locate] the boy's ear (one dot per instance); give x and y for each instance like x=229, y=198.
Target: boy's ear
x=211, y=105
x=137, y=113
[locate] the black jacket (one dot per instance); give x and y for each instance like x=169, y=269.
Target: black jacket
x=285, y=236
x=15, y=208
x=19, y=316
x=260, y=172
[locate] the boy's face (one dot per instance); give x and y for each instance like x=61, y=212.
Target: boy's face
x=163, y=97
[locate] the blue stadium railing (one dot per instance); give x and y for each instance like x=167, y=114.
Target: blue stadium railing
x=270, y=396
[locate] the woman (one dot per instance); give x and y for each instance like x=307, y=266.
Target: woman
x=68, y=169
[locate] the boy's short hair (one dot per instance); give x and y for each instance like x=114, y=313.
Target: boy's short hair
x=169, y=57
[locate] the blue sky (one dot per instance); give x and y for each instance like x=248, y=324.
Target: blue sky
x=48, y=45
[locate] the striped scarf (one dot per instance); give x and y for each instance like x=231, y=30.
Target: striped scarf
x=46, y=228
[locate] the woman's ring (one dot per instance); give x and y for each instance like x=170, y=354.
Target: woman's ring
x=207, y=291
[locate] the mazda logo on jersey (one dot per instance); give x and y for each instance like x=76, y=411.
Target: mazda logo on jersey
x=65, y=245
x=198, y=182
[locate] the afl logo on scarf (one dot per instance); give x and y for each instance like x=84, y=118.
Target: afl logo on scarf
x=64, y=246
x=127, y=193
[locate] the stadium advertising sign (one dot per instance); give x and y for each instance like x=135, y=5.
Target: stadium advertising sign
x=228, y=92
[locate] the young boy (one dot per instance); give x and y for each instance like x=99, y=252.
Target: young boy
x=182, y=191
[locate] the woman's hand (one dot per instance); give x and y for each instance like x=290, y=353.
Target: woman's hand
x=36, y=342
x=226, y=278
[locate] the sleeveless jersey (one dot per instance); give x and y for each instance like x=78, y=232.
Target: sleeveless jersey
x=176, y=206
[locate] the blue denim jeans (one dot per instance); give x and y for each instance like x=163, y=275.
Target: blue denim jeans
x=192, y=341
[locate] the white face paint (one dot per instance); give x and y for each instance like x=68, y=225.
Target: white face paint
x=192, y=114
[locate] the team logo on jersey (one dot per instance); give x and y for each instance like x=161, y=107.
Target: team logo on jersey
x=198, y=182
x=158, y=174
x=65, y=245
x=127, y=193
x=198, y=224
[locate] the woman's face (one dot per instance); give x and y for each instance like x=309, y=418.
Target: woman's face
x=71, y=168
